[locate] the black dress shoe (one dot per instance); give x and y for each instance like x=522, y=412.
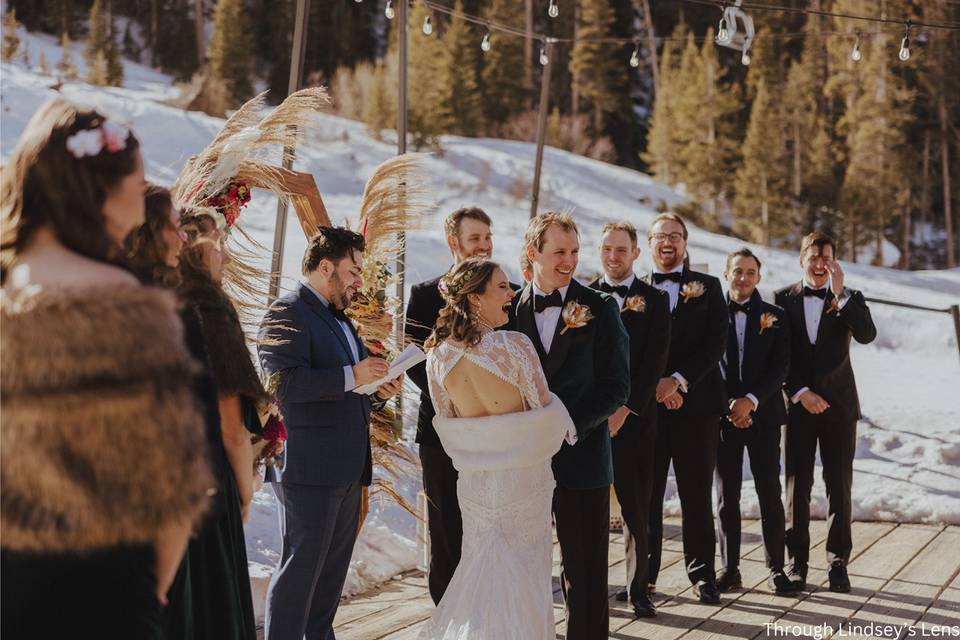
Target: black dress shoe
x=621, y=595
x=706, y=590
x=839, y=580
x=729, y=579
x=798, y=575
x=643, y=608
x=781, y=585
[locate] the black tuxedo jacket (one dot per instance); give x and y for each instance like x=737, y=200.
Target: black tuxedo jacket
x=825, y=366
x=649, y=333
x=766, y=360
x=423, y=309
x=589, y=370
x=698, y=340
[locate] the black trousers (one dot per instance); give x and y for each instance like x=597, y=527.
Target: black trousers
x=583, y=530
x=443, y=517
x=691, y=443
x=837, y=437
x=762, y=443
x=633, y=481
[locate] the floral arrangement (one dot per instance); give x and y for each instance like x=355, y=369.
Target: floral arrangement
x=575, y=315
x=230, y=201
x=90, y=142
x=692, y=290
x=635, y=303
x=767, y=321
x=268, y=445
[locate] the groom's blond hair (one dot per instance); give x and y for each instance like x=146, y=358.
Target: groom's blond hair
x=538, y=227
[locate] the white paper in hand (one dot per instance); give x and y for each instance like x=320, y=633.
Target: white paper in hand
x=410, y=357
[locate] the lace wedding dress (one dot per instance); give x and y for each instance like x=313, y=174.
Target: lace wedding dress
x=502, y=588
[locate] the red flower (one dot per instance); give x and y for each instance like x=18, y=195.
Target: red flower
x=275, y=430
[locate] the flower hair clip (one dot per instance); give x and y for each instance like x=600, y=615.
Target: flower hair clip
x=90, y=142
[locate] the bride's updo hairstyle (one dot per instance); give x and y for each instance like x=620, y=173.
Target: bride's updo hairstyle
x=457, y=319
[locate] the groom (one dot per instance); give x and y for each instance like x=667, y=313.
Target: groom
x=584, y=349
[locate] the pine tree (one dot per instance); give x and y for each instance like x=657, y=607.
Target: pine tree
x=11, y=41
x=231, y=50
x=461, y=105
x=379, y=109
x=95, y=51
x=425, y=119
x=114, y=71
x=600, y=75
x=505, y=93
x=130, y=47
x=25, y=55
x=662, y=153
x=66, y=67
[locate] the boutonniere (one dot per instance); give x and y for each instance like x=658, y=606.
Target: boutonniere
x=767, y=321
x=575, y=315
x=634, y=303
x=834, y=306
x=692, y=290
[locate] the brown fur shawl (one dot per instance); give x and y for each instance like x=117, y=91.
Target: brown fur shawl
x=102, y=440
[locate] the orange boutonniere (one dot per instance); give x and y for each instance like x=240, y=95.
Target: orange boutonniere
x=575, y=315
x=692, y=290
x=834, y=306
x=767, y=321
x=634, y=303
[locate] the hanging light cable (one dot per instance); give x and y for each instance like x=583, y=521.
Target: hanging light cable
x=553, y=10
x=904, y=54
x=856, y=54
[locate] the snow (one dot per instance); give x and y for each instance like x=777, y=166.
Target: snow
x=907, y=466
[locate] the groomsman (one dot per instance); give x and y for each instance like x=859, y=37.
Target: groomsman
x=692, y=398
x=583, y=349
x=645, y=313
x=823, y=408
x=755, y=366
x=468, y=236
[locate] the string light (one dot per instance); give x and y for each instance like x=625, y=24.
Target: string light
x=553, y=10
x=427, y=26
x=485, y=43
x=745, y=56
x=723, y=34
x=389, y=12
x=856, y=55
x=904, y=54
x=544, y=59
x=635, y=57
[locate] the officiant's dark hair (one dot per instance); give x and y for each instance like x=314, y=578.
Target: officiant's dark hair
x=331, y=243
x=457, y=319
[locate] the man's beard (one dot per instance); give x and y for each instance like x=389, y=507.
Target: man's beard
x=340, y=298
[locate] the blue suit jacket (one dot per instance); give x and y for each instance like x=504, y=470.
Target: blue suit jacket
x=328, y=429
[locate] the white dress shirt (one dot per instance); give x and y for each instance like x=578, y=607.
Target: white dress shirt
x=740, y=328
x=812, y=312
x=673, y=291
x=349, y=382
x=547, y=319
x=628, y=282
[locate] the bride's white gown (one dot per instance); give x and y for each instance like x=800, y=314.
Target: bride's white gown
x=502, y=588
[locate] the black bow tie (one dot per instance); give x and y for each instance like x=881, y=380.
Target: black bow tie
x=338, y=314
x=620, y=290
x=675, y=276
x=544, y=302
x=736, y=306
x=819, y=293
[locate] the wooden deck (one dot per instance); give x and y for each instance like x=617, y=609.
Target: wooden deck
x=902, y=574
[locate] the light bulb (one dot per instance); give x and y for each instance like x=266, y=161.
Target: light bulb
x=358, y=1
x=904, y=49
x=389, y=12
x=745, y=58
x=723, y=36
x=485, y=43
x=855, y=54
x=553, y=10
x=544, y=59
x=635, y=57
x=427, y=26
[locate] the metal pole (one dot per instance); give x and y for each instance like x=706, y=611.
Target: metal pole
x=402, y=29
x=541, y=125
x=296, y=73
x=955, y=312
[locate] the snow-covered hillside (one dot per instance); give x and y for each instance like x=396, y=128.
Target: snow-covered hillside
x=908, y=453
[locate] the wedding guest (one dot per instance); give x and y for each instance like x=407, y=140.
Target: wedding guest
x=633, y=428
x=103, y=464
x=692, y=399
x=823, y=404
x=220, y=584
x=583, y=348
x=468, y=236
x=754, y=366
x=213, y=568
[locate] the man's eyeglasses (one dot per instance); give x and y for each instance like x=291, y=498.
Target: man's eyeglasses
x=672, y=237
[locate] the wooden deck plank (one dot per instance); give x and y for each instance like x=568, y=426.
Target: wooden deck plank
x=944, y=612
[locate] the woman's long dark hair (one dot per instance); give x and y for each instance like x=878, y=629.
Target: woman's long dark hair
x=457, y=320
x=145, y=247
x=44, y=184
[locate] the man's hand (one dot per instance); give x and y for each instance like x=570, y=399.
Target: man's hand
x=389, y=389
x=836, y=278
x=369, y=370
x=740, y=412
x=674, y=401
x=666, y=388
x=615, y=422
x=813, y=403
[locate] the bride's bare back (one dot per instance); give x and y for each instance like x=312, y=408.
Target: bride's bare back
x=476, y=392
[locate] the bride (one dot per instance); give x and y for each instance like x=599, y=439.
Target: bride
x=501, y=425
